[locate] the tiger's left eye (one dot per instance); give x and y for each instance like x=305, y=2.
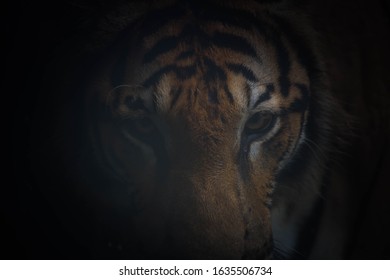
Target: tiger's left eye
x=260, y=124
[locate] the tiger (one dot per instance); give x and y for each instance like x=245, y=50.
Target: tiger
x=216, y=115
x=213, y=133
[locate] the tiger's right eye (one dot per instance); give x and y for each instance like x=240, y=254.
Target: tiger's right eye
x=259, y=124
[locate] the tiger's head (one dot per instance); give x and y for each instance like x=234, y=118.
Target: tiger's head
x=202, y=108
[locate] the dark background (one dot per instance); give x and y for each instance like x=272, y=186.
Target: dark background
x=358, y=33
x=35, y=30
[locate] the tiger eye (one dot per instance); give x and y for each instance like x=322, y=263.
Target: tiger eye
x=260, y=122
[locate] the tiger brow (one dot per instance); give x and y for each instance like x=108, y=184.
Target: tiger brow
x=264, y=96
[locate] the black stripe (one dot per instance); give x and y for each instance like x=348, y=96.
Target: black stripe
x=248, y=93
x=185, y=55
x=175, y=93
x=193, y=31
x=284, y=66
x=249, y=22
x=166, y=44
x=213, y=71
x=284, y=84
x=265, y=96
x=182, y=73
x=241, y=69
x=213, y=96
x=185, y=72
x=243, y=162
x=233, y=42
x=229, y=94
x=236, y=43
x=300, y=104
x=155, y=100
x=305, y=55
x=238, y=18
x=155, y=77
x=274, y=35
x=163, y=46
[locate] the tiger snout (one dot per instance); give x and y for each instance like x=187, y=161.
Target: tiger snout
x=206, y=211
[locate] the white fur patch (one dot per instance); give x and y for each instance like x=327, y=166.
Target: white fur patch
x=254, y=150
x=163, y=96
x=257, y=91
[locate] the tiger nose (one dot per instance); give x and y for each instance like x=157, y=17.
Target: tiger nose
x=207, y=219
x=204, y=221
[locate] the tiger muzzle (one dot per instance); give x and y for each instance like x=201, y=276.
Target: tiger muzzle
x=209, y=214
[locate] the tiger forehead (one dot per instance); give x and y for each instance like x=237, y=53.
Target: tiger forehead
x=180, y=41
x=212, y=91
x=218, y=61
x=220, y=68
x=230, y=97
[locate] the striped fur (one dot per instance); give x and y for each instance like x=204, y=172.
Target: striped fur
x=176, y=93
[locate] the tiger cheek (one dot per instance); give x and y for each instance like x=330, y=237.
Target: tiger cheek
x=269, y=157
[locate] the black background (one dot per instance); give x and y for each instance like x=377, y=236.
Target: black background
x=34, y=30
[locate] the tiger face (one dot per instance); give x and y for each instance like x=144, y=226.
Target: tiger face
x=199, y=113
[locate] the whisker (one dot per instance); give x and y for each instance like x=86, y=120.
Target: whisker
x=283, y=251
